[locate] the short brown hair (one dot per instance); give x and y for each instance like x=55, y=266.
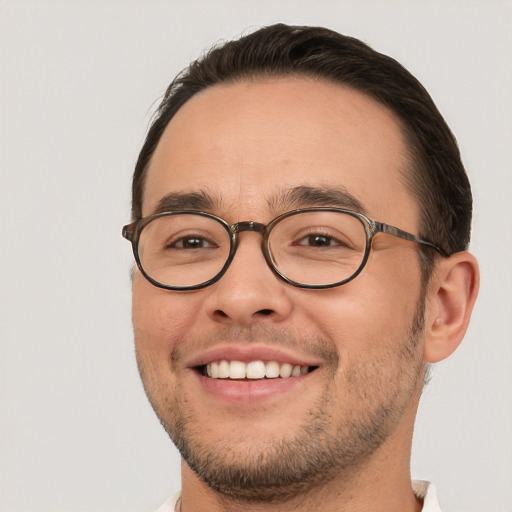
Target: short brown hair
x=436, y=177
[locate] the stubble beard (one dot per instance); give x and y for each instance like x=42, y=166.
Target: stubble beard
x=263, y=471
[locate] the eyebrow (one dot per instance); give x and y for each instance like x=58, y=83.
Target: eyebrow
x=201, y=200
x=304, y=196
x=281, y=202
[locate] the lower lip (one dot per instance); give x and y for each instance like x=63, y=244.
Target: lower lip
x=250, y=391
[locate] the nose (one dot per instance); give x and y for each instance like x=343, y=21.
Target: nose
x=249, y=291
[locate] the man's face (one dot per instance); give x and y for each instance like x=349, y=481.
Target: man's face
x=248, y=146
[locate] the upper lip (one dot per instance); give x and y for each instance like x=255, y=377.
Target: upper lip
x=248, y=353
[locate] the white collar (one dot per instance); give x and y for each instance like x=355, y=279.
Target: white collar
x=427, y=492
x=422, y=489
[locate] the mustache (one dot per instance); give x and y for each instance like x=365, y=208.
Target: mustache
x=257, y=333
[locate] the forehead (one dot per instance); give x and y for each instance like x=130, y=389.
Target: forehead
x=244, y=145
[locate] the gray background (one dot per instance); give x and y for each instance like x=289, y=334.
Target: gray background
x=78, y=81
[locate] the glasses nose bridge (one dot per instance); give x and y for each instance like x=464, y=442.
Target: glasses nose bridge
x=248, y=226
x=239, y=227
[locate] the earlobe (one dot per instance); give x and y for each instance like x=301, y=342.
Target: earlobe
x=452, y=293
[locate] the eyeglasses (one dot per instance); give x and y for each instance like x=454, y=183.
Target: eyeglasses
x=314, y=248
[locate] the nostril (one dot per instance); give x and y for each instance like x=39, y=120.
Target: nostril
x=241, y=317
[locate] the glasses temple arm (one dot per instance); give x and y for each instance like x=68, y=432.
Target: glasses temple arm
x=391, y=230
x=128, y=231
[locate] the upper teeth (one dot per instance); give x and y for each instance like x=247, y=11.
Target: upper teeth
x=254, y=370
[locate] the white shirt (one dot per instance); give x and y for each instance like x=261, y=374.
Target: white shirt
x=423, y=490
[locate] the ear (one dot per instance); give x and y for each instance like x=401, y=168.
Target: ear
x=451, y=296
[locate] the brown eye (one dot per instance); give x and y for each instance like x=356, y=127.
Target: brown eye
x=318, y=241
x=191, y=242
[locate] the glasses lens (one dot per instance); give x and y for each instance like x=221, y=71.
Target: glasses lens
x=184, y=249
x=318, y=248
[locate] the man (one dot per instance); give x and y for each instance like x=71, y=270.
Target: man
x=300, y=224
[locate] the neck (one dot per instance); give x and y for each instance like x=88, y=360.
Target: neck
x=382, y=482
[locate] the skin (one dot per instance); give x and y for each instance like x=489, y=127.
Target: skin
x=244, y=145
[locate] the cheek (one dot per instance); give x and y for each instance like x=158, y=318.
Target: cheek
x=160, y=319
x=369, y=315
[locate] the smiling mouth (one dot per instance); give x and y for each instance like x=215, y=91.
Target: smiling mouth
x=253, y=370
